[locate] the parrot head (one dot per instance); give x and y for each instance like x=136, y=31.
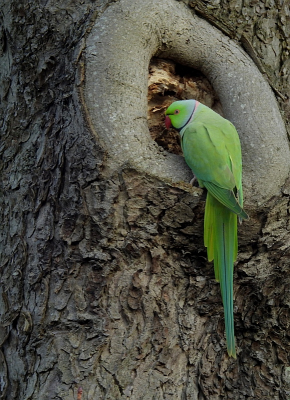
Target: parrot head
x=179, y=113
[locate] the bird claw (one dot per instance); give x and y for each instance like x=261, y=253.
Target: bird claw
x=193, y=180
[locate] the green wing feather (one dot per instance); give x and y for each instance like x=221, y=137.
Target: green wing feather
x=227, y=198
x=212, y=149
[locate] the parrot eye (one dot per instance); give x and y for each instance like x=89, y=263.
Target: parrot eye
x=176, y=111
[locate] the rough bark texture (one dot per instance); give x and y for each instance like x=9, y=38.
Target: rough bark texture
x=104, y=279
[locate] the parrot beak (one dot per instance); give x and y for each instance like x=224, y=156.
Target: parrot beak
x=167, y=122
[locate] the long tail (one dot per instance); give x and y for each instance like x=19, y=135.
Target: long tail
x=220, y=238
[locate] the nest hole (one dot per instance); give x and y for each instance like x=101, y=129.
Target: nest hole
x=168, y=82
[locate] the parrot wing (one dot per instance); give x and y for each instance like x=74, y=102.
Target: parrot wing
x=227, y=198
x=212, y=150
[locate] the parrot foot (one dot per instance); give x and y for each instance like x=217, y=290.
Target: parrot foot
x=192, y=180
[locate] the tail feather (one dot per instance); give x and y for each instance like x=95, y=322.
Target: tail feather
x=220, y=238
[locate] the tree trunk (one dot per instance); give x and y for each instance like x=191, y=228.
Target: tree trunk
x=105, y=288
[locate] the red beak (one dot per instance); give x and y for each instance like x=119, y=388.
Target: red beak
x=167, y=122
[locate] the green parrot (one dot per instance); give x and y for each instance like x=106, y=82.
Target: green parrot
x=212, y=149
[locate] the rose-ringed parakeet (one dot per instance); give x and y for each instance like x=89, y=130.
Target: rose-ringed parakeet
x=212, y=149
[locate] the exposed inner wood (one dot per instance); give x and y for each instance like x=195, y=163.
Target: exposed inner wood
x=167, y=83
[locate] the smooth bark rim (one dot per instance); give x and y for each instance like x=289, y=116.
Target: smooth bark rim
x=118, y=51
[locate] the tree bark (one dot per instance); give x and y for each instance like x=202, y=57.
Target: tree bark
x=105, y=288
